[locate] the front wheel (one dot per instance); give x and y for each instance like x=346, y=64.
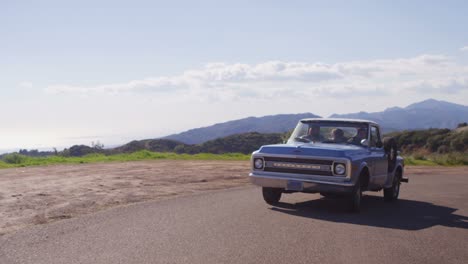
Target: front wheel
x=391, y=194
x=271, y=195
x=356, y=196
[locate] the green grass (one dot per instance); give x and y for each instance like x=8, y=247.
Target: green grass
x=419, y=162
x=17, y=160
x=450, y=159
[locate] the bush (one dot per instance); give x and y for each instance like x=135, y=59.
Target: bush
x=454, y=158
x=179, y=149
x=81, y=150
x=443, y=149
x=432, y=141
x=15, y=158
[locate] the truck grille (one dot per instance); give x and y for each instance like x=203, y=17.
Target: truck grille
x=299, y=166
x=309, y=161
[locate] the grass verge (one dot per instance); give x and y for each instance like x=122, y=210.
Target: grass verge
x=449, y=159
x=17, y=160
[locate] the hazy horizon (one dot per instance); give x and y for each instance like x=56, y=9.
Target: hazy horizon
x=108, y=71
x=115, y=140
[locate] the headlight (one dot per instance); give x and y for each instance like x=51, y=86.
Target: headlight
x=340, y=169
x=258, y=164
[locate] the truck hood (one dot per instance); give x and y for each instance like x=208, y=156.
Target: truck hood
x=317, y=150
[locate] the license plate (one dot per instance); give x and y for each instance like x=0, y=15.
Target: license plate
x=294, y=186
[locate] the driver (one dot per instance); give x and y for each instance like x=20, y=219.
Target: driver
x=313, y=134
x=360, y=135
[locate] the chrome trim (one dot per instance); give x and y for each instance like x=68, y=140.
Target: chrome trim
x=253, y=163
x=295, y=165
x=346, y=161
x=310, y=177
x=274, y=178
x=333, y=168
x=347, y=166
x=263, y=163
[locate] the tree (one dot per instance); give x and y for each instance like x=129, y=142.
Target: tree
x=97, y=145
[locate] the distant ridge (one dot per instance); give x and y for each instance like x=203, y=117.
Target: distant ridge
x=426, y=114
x=266, y=124
x=422, y=115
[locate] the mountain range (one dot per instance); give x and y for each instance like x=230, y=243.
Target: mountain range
x=422, y=115
x=267, y=124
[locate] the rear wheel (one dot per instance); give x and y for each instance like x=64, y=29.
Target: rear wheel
x=391, y=194
x=271, y=195
x=390, y=147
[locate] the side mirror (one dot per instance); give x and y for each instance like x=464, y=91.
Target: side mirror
x=379, y=144
x=365, y=142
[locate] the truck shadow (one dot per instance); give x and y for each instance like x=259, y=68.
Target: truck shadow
x=403, y=214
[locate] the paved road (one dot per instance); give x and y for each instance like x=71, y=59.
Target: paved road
x=428, y=225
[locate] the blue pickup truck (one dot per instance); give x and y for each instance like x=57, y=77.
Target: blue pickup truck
x=333, y=157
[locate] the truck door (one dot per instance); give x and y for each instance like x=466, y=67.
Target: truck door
x=379, y=158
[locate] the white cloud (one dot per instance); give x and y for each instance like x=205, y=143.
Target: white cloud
x=279, y=79
x=160, y=84
x=444, y=86
x=464, y=48
x=220, y=92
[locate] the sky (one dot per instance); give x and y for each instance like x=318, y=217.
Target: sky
x=76, y=72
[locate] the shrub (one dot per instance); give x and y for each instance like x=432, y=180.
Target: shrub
x=443, y=149
x=14, y=158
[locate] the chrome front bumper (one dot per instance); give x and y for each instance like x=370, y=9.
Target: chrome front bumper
x=309, y=185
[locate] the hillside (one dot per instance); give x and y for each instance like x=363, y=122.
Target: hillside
x=240, y=143
x=433, y=140
x=423, y=115
x=423, y=143
x=155, y=145
x=267, y=124
x=443, y=146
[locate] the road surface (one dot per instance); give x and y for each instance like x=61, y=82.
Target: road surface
x=429, y=224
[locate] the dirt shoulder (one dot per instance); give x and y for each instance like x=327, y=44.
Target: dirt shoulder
x=38, y=195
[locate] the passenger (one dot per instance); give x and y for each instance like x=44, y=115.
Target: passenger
x=338, y=136
x=360, y=135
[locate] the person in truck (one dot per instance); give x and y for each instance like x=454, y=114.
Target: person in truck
x=360, y=135
x=337, y=136
x=313, y=133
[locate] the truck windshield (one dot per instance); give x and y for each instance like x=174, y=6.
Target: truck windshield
x=330, y=132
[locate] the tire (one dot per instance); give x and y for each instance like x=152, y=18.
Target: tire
x=391, y=194
x=331, y=195
x=391, y=150
x=271, y=195
x=356, y=197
